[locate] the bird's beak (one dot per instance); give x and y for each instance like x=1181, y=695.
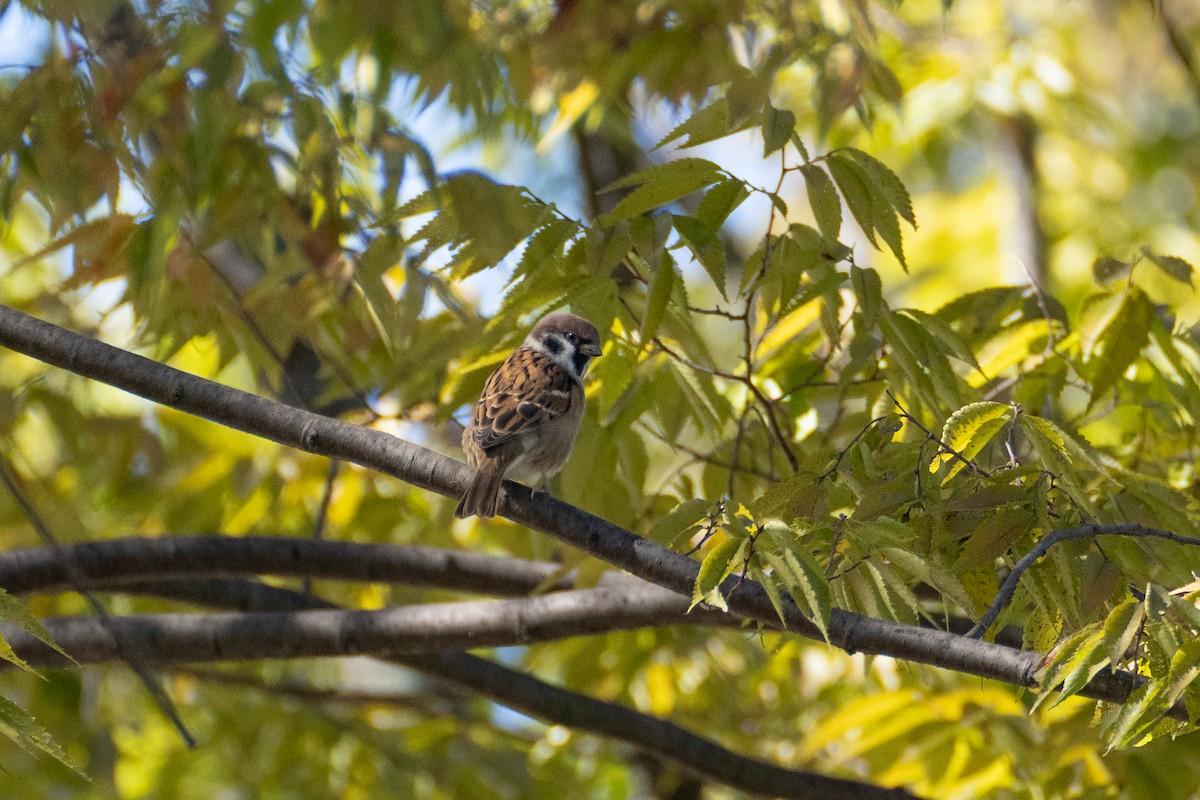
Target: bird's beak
x=589, y=349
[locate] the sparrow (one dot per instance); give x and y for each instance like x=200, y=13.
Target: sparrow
x=525, y=421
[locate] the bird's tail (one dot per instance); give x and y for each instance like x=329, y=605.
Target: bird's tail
x=482, y=497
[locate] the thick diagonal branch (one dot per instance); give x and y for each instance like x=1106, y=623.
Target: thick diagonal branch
x=428, y=470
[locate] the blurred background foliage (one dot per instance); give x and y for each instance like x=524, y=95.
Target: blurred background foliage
x=360, y=206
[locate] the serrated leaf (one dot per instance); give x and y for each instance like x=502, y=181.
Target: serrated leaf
x=824, y=201
x=1185, y=668
x=14, y=611
x=852, y=183
x=657, y=298
x=706, y=125
x=545, y=246
x=806, y=583
x=1121, y=342
x=23, y=729
x=888, y=183
x=746, y=95
x=771, y=585
x=614, y=373
x=888, y=226
x=661, y=184
x=968, y=431
x=777, y=128
x=869, y=291
x=1141, y=710
x=1075, y=663
x=679, y=519
x=993, y=538
x=798, y=143
x=813, y=588
x=786, y=493
x=708, y=249
x=1041, y=630
x=1047, y=438
x=720, y=201
x=1174, y=266
x=931, y=573
x=716, y=567
x=1120, y=628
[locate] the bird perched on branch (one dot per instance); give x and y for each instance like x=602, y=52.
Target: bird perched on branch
x=526, y=419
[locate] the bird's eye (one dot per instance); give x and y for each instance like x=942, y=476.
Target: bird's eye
x=572, y=338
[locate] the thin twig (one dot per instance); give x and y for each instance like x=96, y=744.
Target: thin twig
x=71, y=571
x=933, y=437
x=318, y=532
x=1005, y=595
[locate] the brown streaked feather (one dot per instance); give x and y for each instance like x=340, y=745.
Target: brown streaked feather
x=527, y=391
x=482, y=497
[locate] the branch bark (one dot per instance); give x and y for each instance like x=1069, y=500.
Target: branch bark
x=428, y=470
x=142, y=558
x=203, y=638
x=556, y=705
x=1005, y=595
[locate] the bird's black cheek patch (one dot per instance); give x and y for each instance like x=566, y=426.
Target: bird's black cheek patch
x=552, y=344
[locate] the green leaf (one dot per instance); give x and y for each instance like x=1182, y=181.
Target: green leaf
x=1073, y=665
x=661, y=184
x=1107, y=270
x=805, y=582
x=656, y=300
x=14, y=611
x=1185, y=668
x=799, y=488
x=1143, y=709
x=680, y=519
x=1120, y=628
x=706, y=125
x=824, y=200
x=614, y=373
x=967, y=432
x=716, y=567
x=708, y=249
x=869, y=291
x=856, y=190
x=931, y=573
x=888, y=183
x=1174, y=266
x=21, y=728
x=720, y=201
x=545, y=247
x=812, y=587
x=1121, y=342
x=771, y=585
x=777, y=128
x=1048, y=439
x=1055, y=450
x=993, y=538
x=746, y=96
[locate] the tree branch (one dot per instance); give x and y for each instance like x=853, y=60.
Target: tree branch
x=201, y=638
x=141, y=558
x=1009, y=587
x=427, y=470
x=556, y=705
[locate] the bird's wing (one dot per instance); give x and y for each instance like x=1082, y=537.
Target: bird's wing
x=527, y=391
